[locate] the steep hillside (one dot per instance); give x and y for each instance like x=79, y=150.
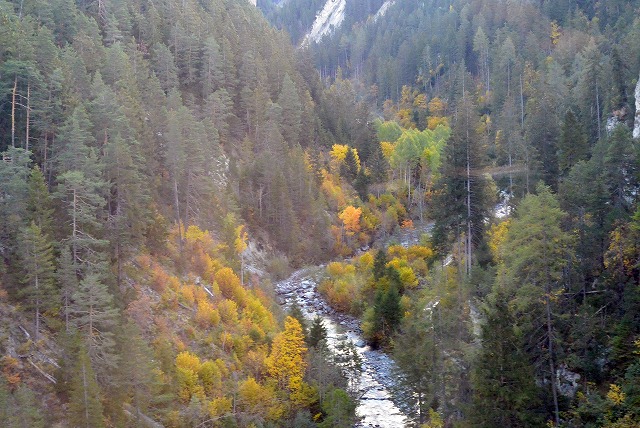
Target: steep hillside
x=144, y=146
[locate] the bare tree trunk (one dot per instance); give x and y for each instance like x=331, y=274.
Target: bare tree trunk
x=521, y=105
x=28, y=114
x=37, y=326
x=75, y=231
x=13, y=111
x=598, y=107
x=554, y=387
x=86, y=398
x=177, y=209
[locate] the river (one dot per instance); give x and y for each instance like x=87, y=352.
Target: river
x=375, y=406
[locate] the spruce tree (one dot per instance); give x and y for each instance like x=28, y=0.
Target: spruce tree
x=291, y=111
x=379, y=265
x=317, y=332
x=349, y=169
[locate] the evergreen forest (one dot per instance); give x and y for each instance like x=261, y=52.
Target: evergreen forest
x=208, y=219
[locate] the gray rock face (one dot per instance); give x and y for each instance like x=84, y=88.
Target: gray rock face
x=636, y=128
x=567, y=381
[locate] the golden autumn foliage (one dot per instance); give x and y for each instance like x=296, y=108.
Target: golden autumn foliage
x=230, y=286
x=219, y=406
x=259, y=400
x=497, y=235
x=228, y=310
x=207, y=315
x=387, y=149
x=434, y=121
x=332, y=190
x=556, y=32
x=286, y=362
x=339, y=152
x=350, y=217
x=187, y=367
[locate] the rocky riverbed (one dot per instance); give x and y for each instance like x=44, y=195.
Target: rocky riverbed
x=375, y=406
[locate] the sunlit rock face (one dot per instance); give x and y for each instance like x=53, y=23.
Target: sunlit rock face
x=636, y=128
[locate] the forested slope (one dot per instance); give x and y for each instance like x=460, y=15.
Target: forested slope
x=163, y=161
x=530, y=317
x=145, y=145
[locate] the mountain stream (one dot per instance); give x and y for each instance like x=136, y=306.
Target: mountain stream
x=375, y=405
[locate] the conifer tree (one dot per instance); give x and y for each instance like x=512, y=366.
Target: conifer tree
x=286, y=362
x=291, y=111
x=536, y=252
x=317, y=332
x=418, y=356
x=572, y=145
x=349, y=169
x=85, y=406
x=67, y=278
x=94, y=316
x=37, y=261
x=39, y=205
x=503, y=379
x=379, y=265
x=296, y=312
x=135, y=376
x=464, y=202
x=211, y=74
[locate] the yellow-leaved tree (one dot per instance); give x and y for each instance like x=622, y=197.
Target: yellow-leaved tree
x=350, y=217
x=286, y=362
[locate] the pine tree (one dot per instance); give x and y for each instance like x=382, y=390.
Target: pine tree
x=67, y=278
x=14, y=173
x=85, y=407
x=39, y=205
x=37, y=263
x=291, y=111
x=164, y=67
x=503, y=380
x=572, y=145
x=417, y=356
x=76, y=151
x=94, y=316
x=82, y=200
x=20, y=409
x=211, y=74
x=135, y=372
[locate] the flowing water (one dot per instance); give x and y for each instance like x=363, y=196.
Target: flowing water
x=375, y=406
